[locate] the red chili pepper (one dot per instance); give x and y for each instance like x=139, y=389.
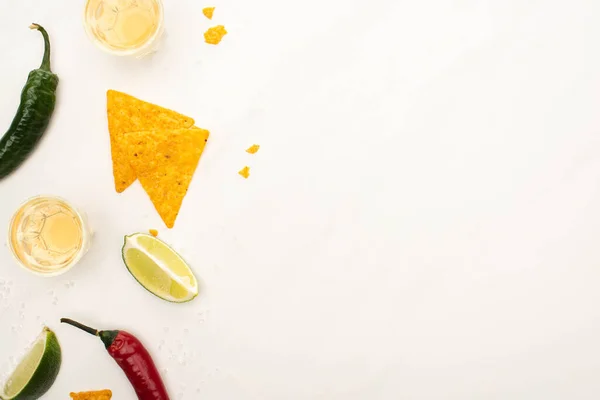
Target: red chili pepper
x=134, y=360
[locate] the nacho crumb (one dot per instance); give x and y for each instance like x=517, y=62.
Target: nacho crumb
x=98, y=395
x=153, y=232
x=215, y=34
x=253, y=149
x=208, y=12
x=245, y=172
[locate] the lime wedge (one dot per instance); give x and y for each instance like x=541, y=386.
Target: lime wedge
x=37, y=371
x=159, y=269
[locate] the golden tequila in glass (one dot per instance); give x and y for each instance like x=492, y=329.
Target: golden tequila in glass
x=48, y=236
x=125, y=27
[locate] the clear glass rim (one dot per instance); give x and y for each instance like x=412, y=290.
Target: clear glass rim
x=85, y=236
x=126, y=52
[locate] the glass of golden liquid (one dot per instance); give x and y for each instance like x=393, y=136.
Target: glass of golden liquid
x=48, y=236
x=125, y=27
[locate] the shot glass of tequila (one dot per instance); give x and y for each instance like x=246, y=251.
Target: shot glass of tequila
x=48, y=236
x=125, y=27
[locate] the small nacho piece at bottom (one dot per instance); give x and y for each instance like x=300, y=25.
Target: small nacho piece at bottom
x=129, y=114
x=164, y=162
x=97, y=395
x=153, y=232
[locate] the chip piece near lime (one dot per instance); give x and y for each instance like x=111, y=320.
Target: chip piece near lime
x=37, y=371
x=159, y=269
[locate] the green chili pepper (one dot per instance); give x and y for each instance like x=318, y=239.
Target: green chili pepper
x=37, y=104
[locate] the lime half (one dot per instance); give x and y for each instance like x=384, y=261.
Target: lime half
x=37, y=371
x=159, y=269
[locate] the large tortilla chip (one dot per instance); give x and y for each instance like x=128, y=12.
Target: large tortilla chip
x=98, y=395
x=164, y=162
x=128, y=114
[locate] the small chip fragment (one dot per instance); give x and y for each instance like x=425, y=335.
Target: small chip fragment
x=97, y=395
x=208, y=12
x=253, y=149
x=215, y=34
x=245, y=172
x=153, y=232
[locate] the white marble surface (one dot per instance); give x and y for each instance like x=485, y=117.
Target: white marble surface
x=422, y=220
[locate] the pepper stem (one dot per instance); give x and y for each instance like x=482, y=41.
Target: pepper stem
x=46, y=60
x=76, y=324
